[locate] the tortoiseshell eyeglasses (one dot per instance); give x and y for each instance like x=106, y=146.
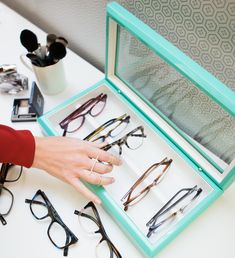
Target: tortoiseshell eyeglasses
x=137, y=192
x=74, y=121
x=133, y=140
x=115, y=127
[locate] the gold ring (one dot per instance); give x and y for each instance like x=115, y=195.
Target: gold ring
x=93, y=165
x=110, y=159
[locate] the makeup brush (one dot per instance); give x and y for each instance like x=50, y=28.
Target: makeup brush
x=36, y=60
x=62, y=40
x=57, y=51
x=29, y=40
x=51, y=38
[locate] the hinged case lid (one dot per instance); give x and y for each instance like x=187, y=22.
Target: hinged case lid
x=195, y=110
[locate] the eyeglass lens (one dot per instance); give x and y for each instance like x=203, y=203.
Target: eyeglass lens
x=111, y=128
x=59, y=234
x=133, y=140
x=151, y=177
x=75, y=120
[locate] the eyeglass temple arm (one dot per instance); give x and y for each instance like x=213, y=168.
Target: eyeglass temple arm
x=3, y=174
x=113, y=249
x=154, y=227
x=139, y=180
x=192, y=200
x=2, y=220
x=66, y=249
x=99, y=129
x=83, y=107
x=163, y=210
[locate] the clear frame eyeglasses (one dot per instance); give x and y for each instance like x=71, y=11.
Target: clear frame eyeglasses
x=185, y=196
x=9, y=173
x=133, y=140
x=74, y=121
x=59, y=234
x=115, y=126
x=137, y=192
x=90, y=221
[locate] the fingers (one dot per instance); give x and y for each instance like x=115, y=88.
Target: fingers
x=95, y=165
x=80, y=187
x=103, y=156
x=95, y=178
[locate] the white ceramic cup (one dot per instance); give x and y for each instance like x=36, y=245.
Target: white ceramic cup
x=50, y=79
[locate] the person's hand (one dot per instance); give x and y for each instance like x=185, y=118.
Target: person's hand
x=70, y=160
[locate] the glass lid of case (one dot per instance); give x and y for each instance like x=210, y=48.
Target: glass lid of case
x=208, y=127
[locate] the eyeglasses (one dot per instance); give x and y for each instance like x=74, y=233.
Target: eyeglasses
x=9, y=173
x=154, y=223
x=115, y=126
x=59, y=234
x=90, y=221
x=74, y=121
x=137, y=187
x=133, y=140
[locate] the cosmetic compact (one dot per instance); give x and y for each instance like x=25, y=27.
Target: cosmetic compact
x=28, y=109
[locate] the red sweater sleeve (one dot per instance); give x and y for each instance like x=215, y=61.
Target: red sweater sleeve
x=16, y=146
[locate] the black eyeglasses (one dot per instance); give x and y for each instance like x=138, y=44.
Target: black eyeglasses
x=133, y=140
x=189, y=196
x=59, y=234
x=74, y=121
x=9, y=173
x=90, y=221
x=115, y=127
x=137, y=192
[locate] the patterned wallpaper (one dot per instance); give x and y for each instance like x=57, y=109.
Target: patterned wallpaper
x=204, y=30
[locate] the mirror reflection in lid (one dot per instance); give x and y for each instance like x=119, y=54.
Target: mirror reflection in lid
x=199, y=119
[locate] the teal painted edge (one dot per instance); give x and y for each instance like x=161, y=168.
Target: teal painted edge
x=190, y=217
x=127, y=225
x=205, y=81
x=141, y=30
x=148, y=249
x=229, y=179
x=109, y=204
x=151, y=251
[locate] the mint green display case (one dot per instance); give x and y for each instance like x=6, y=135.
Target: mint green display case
x=187, y=114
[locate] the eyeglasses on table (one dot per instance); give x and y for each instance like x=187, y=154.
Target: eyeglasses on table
x=74, y=121
x=133, y=140
x=9, y=173
x=59, y=234
x=185, y=196
x=90, y=221
x=137, y=191
x=114, y=126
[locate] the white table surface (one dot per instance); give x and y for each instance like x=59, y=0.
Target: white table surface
x=211, y=235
